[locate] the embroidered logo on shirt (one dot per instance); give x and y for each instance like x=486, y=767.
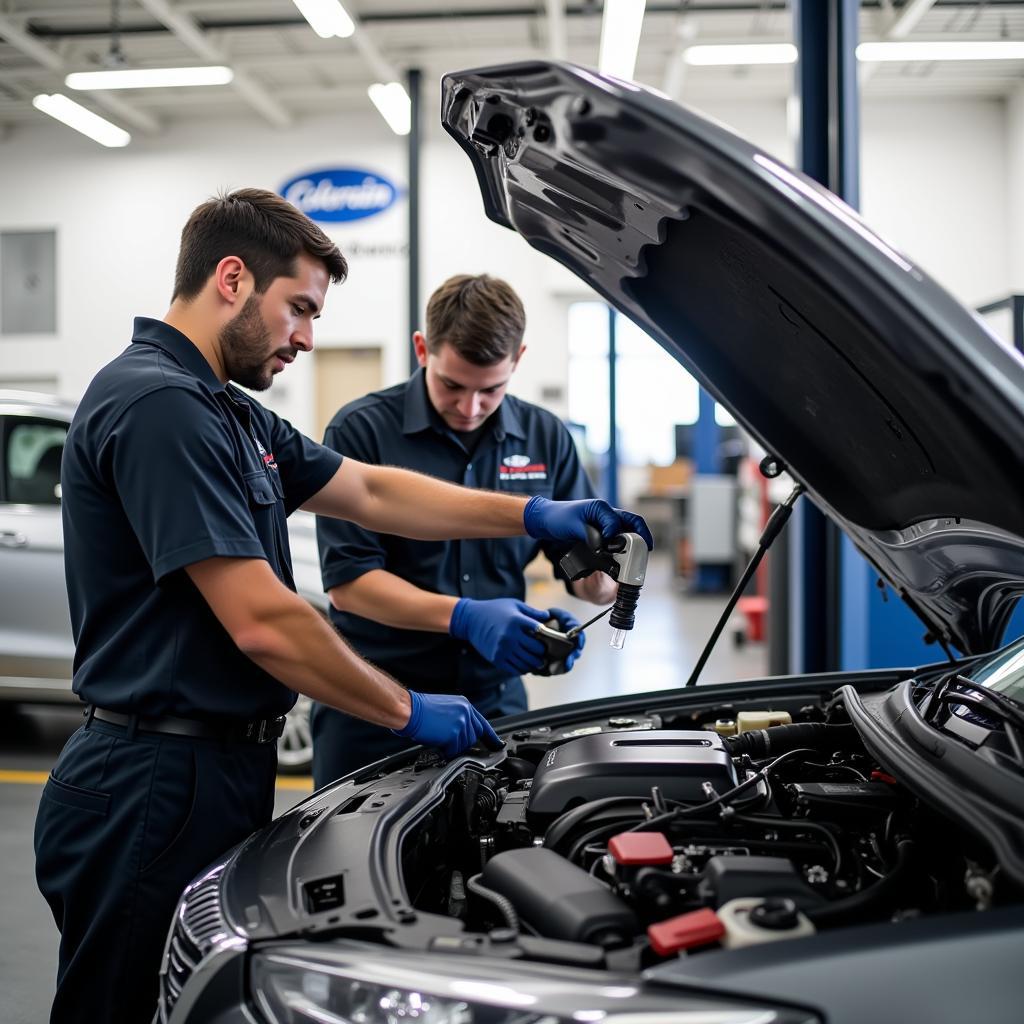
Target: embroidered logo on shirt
x=268, y=457
x=519, y=467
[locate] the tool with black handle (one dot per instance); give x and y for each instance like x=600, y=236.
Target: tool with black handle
x=624, y=558
x=558, y=645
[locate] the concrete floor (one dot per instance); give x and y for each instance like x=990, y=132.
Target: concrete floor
x=670, y=631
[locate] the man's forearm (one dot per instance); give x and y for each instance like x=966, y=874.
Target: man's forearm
x=383, y=597
x=420, y=507
x=386, y=499
x=306, y=654
x=282, y=634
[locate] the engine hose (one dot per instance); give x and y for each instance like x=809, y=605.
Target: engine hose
x=600, y=834
x=562, y=827
x=504, y=905
x=519, y=767
x=866, y=899
x=759, y=743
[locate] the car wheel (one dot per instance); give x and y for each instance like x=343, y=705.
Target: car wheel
x=295, y=747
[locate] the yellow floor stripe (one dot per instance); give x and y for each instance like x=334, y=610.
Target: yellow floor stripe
x=300, y=782
x=295, y=782
x=35, y=778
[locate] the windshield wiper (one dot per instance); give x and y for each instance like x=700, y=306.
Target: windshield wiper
x=1009, y=712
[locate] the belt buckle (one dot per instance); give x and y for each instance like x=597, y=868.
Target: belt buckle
x=264, y=730
x=269, y=729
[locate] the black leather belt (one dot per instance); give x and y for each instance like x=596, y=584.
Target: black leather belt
x=260, y=730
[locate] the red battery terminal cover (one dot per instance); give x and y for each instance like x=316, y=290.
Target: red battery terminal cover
x=697, y=928
x=632, y=848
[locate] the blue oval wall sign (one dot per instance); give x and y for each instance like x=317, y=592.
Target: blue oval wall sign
x=340, y=193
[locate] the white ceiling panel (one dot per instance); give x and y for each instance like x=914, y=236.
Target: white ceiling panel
x=284, y=70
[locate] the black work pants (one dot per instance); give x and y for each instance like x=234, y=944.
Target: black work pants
x=342, y=744
x=125, y=822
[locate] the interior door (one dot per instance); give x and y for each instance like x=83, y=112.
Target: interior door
x=343, y=374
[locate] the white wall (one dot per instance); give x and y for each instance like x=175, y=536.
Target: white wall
x=934, y=182
x=119, y=214
x=1015, y=180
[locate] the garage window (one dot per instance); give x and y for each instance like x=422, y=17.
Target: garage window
x=647, y=378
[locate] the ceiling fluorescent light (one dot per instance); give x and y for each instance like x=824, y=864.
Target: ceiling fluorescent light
x=149, y=78
x=1002, y=49
x=326, y=18
x=393, y=103
x=74, y=115
x=744, y=53
x=620, y=37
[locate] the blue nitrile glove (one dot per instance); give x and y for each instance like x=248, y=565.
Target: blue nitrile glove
x=502, y=630
x=446, y=721
x=545, y=519
x=567, y=621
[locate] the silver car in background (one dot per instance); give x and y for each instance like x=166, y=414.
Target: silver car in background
x=36, y=648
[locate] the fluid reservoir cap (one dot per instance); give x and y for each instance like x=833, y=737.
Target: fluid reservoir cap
x=776, y=913
x=640, y=848
x=751, y=920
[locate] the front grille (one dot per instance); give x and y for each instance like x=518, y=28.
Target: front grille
x=198, y=926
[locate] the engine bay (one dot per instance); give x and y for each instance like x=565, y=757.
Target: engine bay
x=621, y=841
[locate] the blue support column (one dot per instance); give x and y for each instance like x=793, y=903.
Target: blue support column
x=878, y=629
x=826, y=38
x=412, y=84
x=705, y=436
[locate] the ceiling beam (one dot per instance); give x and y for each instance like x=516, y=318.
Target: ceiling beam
x=14, y=36
x=185, y=28
x=21, y=40
x=900, y=26
x=127, y=112
x=381, y=67
x=907, y=19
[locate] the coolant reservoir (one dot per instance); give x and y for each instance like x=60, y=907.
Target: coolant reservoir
x=750, y=920
x=748, y=720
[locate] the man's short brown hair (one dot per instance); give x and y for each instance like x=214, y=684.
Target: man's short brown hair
x=259, y=227
x=480, y=316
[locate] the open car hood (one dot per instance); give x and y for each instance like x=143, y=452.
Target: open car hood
x=901, y=414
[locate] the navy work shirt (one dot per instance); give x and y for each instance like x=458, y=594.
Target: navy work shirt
x=164, y=466
x=523, y=450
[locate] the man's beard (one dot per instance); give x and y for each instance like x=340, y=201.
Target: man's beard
x=243, y=345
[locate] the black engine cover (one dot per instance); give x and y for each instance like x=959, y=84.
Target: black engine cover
x=628, y=764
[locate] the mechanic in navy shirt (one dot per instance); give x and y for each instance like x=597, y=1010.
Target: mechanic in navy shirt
x=190, y=638
x=447, y=615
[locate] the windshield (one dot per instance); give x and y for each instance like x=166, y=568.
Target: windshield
x=1004, y=672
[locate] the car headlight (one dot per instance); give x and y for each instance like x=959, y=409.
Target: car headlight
x=340, y=985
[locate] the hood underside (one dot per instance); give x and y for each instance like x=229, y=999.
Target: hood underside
x=895, y=407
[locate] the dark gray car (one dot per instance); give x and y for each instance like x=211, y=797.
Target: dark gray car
x=36, y=647
x=667, y=858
